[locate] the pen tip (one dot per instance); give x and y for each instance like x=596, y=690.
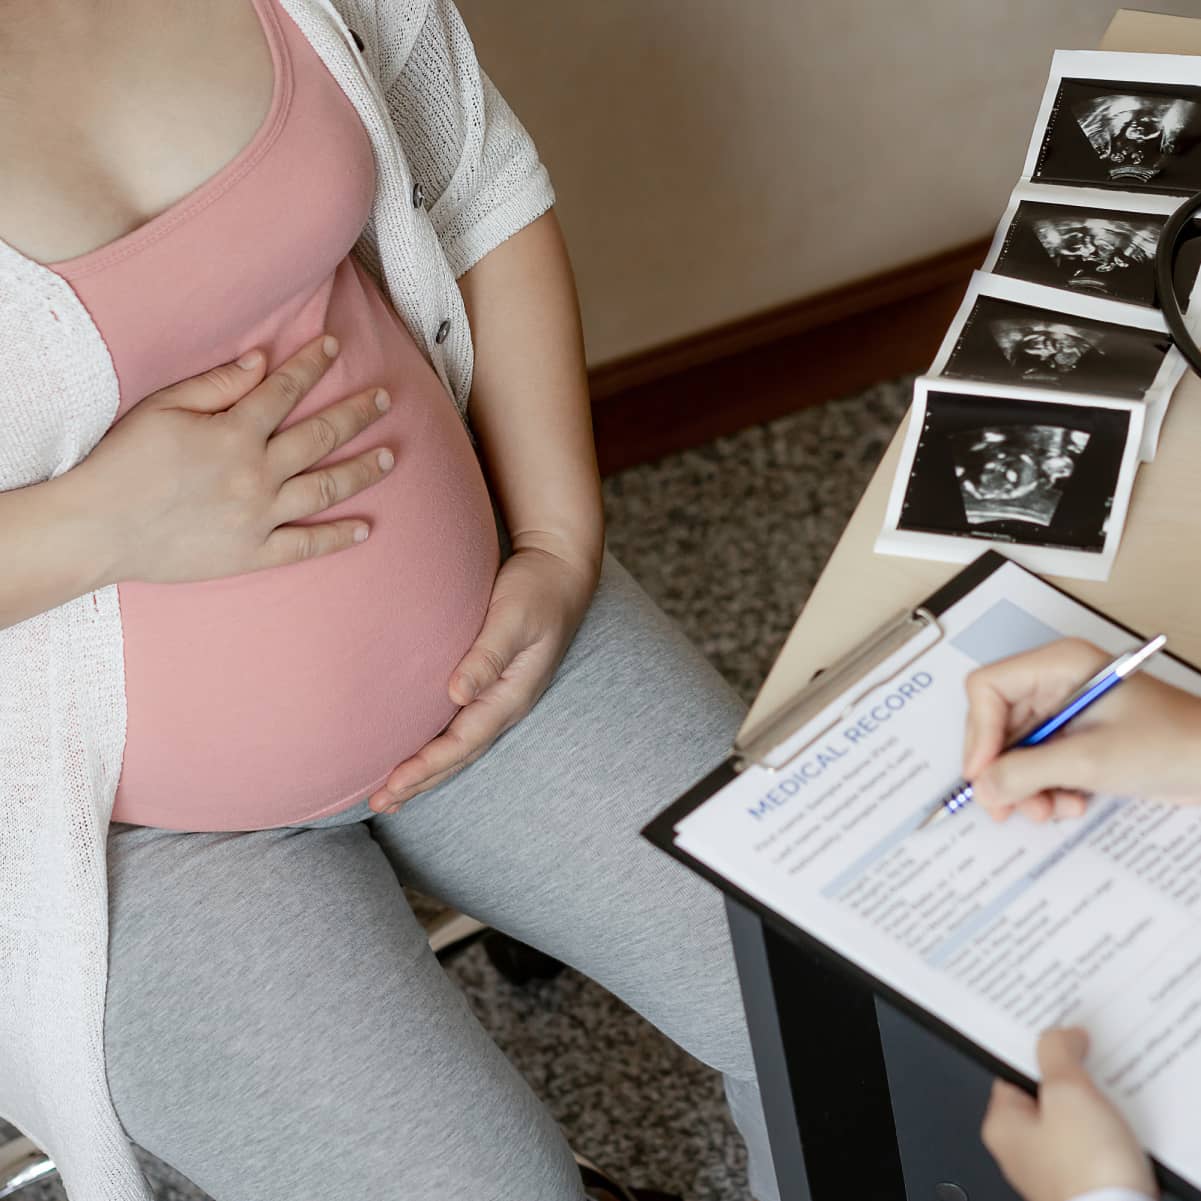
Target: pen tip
x=931, y=817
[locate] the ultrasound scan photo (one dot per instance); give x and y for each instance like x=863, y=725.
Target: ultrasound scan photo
x=1002, y=341
x=1089, y=252
x=1038, y=473
x=1015, y=473
x=1091, y=248
x=1134, y=136
x=1042, y=350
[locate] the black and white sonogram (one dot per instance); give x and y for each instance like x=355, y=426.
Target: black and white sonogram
x=1005, y=342
x=1141, y=137
x=1093, y=252
x=1016, y=471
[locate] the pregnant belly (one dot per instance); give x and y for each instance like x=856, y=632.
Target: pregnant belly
x=281, y=695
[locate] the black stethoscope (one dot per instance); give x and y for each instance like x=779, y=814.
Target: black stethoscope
x=1177, y=259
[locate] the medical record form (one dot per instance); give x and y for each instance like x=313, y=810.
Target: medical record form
x=997, y=930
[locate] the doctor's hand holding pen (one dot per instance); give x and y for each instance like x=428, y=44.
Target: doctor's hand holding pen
x=1143, y=739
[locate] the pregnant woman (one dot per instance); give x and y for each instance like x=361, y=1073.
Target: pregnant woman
x=263, y=724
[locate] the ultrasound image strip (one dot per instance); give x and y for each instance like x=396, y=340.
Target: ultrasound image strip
x=1049, y=478
x=1011, y=470
x=1021, y=344
x=1057, y=370
x=1016, y=333
x=1089, y=249
x=1009, y=332
x=1119, y=121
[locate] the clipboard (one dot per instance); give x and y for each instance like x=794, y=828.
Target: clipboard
x=840, y=679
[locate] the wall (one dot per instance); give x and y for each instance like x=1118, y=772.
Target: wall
x=714, y=158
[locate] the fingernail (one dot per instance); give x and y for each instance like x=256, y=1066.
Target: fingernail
x=385, y=459
x=382, y=400
x=330, y=345
x=466, y=686
x=250, y=359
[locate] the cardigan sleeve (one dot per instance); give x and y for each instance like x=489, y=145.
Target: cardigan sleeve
x=477, y=166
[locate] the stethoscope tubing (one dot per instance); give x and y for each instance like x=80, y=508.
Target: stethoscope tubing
x=1165, y=254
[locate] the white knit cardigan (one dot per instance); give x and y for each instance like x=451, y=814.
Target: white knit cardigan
x=434, y=119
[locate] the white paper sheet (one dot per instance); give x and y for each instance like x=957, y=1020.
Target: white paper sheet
x=999, y=930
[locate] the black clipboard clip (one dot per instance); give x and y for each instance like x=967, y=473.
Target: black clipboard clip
x=752, y=749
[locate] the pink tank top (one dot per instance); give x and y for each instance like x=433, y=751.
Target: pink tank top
x=286, y=694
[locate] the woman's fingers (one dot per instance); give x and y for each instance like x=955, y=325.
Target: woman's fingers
x=292, y=451
x=501, y=640
x=440, y=756
x=267, y=405
x=320, y=489
x=393, y=801
x=472, y=731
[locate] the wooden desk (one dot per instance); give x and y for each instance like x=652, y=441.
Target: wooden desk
x=860, y=1100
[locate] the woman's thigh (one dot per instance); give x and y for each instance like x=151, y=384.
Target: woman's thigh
x=277, y=1027
x=540, y=836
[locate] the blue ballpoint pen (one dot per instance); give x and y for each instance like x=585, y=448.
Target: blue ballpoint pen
x=1093, y=689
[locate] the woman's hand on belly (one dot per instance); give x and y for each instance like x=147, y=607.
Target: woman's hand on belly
x=538, y=601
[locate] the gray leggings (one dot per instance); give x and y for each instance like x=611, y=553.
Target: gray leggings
x=273, y=1005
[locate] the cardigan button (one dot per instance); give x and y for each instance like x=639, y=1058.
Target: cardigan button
x=418, y=195
x=358, y=41
x=443, y=332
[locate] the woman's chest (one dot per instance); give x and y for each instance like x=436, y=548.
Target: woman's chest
x=127, y=108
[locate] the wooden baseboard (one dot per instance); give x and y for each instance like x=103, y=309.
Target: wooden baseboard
x=753, y=370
